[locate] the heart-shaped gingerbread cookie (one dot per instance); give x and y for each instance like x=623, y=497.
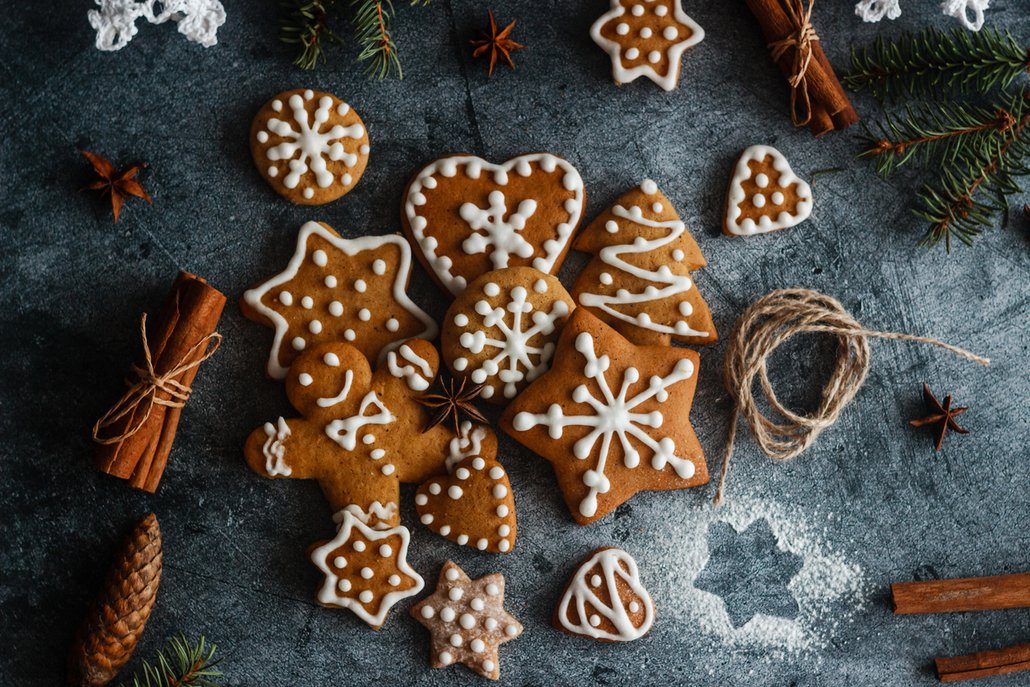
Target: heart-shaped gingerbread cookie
x=472, y=506
x=467, y=216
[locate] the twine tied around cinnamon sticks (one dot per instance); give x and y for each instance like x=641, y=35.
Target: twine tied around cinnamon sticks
x=802, y=41
x=764, y=326
x=144, y=391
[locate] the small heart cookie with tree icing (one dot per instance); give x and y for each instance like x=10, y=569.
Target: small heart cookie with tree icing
x=500, y=331
x=765, y=195
x=646, y=38
x=473, y=506
x=605, y=599
x=466, y=216
x=639, y=281
x=311, y=147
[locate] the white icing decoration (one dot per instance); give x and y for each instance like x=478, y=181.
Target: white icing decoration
x=348, y=378
x=344, y=431
x=742, y=172
x=513, y=364
x=672, y=284
x=623, y=74
x=500, y=234
x=469, y=443
x=418, y=375
x=617, y=567
x=348, y=247
x=613, y=418
x=274, y=448
x=383, y=513
x=328, y=595
x=115, y=21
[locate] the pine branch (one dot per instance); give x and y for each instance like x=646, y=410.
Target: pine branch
x=372, y=19
x=180, y=664
x=306, y=24
x=927, y=62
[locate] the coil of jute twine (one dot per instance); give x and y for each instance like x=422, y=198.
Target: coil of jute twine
x=147, y=383
x=802, y=41
x=765, y=325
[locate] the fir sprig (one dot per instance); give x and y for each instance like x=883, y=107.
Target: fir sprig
x=305, y=24
x=925, y=63
x=179, y=664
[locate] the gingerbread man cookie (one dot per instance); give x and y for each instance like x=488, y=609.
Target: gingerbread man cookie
x=466, y=216
x=337, y=289
x=360, y=434
x=310, y=146
x=646, y=38
x=605, y=599
x=765, y=195
x=467, y=621
x=500, y=331
x=639, y=282
x=611, y=417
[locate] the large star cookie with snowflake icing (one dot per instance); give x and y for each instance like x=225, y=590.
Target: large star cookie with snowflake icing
x=646, y=38
x=500, y=331
x=611, y=417
x=337, y=289
x=311, y=147
x=466, y=216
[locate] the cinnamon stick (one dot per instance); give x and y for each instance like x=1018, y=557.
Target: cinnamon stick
x=176, y=338
x=830, y=107
x=1011, y=659
x=966, y=594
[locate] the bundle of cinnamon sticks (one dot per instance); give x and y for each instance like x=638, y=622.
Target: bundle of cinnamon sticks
x=135, y=436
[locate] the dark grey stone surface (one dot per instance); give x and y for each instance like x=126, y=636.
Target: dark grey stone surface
x=73, y=286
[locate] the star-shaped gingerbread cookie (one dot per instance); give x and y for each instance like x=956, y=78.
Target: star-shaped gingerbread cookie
x=646, y=38
x=467, y=620
x=611, y=417
x=337, y=289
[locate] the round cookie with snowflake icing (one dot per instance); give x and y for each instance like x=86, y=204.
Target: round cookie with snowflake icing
x=501, y=331
x=310, y=146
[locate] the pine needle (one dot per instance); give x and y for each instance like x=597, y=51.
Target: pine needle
x=306, y=24
x=179, y=664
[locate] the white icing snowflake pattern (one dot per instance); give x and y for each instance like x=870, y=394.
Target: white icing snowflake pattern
x=502, y=235
x=613, y=418
x=517, y=360
x=115, y=21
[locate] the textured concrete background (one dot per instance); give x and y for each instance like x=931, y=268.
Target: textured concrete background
x=73, y=286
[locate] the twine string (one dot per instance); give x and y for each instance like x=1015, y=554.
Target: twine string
x=801, y=40
x=765, y=325
x=144, y=390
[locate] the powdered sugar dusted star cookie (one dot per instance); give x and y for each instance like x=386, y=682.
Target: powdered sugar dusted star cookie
x=765, y=195
x=337, y=289
x=611, y=417
x=466, y=216
x=311, y=147
x=467, y=621
x=646, y=38
x=605, y=599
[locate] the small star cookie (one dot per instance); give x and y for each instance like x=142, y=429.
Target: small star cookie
x=467, y=620
x=646, y=38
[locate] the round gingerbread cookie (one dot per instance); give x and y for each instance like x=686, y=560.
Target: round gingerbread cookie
x=501, y=330
x=310, y=146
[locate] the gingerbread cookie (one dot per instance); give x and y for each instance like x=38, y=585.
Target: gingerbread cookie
x=646, y=38
x=337, y=289
x=605, y=599
x=501, y=330
x=310, y=146
x=360, y=434
x=366, y=570
x=472, y=506
x=467, y=621
x=765, y=195
x=639, y=282
x=466, y=216
x=611, y=417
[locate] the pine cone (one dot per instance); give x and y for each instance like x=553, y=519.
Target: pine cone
x=110, y=631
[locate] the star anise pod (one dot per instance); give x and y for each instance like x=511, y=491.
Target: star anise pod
x=455, y=402
x=119, y=184
x=497, y=43
x=941, y=418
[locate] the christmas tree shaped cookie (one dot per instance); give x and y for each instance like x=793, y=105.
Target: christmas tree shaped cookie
x=639, y=280
x=765, y=195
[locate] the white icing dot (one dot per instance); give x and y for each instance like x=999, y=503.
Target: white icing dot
x=309, y=94
x=299, y=343
x=482, y=544
x=478, y=463
x=364, y=149
x=455, y=594
x=445, y=530
x=344, y=586
x=320, y=258
x=595, y=580
x=540, y=286
x=622, y=28
x=504, y=545
x=467, y=621
x=428, y=612
x=758, y=200
x=454, y=492
x=427, y=519
x=421, y=499
x=366, y=596
x=456, y=639
x=646, y=32
x=315, y=327
x=638, y=10
x=504, y=530
x=606, y=278
x=392, y=324
x=340, y=562
x=490, y=624
x=330, y=281
x=452, y=574
x=496, y=472
x=273, y=172
x=364, y=314
x=654, y=57
x=385, y=551
x=367, y=573
x=387, y=469
x=359, y=545
x=394, y=580
x=349, y=334
x=286, y=298
x=262, y=137
x=632, y=54
x=492, y=589
x=661, y=10
x=307, y=302
x=478, y=646
x=342, y=109
x=657, y=207
x=491, y=289
x=360, y=286
x=477, y=604
x=761, y=180
x=434, y=488
x=336, y=308
x=461, y=320
x=462, y=539
x=500, y=491
x=488, y=665
x=511, y=630
x=445, y=658
x=670, y=33
x=678, y=255
x=777, y=198
x=447, y=614
x=502, y=511
x=377, y=453
x=309, y=193
x=305, y=379
x=462, y=473
x=379, y=267
x=595, y=620
x=611, y=226
x=634, y=607
x=277, y=105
